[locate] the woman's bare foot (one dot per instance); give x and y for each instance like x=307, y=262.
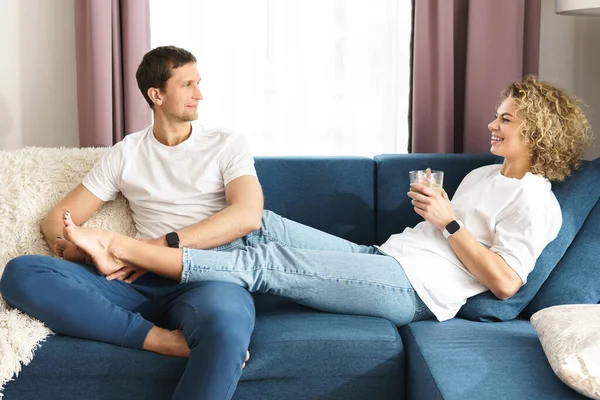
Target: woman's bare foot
x=97, y=243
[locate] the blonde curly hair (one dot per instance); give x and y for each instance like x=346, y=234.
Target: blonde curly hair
x=553, y=126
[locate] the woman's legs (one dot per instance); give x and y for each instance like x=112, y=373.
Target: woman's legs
x=339, y=282
x=277, y=229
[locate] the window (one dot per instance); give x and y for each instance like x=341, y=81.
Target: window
x=298, y=77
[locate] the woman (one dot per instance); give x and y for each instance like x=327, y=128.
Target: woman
x=487, y=238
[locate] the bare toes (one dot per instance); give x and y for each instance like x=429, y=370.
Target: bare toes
x=68, y=221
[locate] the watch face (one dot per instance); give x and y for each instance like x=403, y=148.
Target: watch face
x=452, y=227
x=172, y=239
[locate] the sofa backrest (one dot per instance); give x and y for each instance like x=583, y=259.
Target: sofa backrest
x=333, y=194
x=576, y=278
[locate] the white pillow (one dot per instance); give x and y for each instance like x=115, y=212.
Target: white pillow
x=570, y=336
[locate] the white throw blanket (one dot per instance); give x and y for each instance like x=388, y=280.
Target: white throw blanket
x=32, y=181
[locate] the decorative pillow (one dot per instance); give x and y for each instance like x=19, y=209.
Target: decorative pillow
x=577, y=195
x=575, y=280
x=571, y=340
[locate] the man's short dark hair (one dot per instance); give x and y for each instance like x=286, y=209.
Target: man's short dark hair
x=157, y=67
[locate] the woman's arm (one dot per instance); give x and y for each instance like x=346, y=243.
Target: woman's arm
x=486, y=266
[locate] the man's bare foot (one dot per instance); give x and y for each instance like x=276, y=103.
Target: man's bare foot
x=166, y=342
x=68, y=251
x=171, y=343
x=247, y=358
x=97, y=243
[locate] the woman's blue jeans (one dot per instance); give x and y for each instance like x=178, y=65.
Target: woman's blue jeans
x=313, y=268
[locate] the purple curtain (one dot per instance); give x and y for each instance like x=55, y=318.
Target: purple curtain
x=111, y=38
x=464, y=54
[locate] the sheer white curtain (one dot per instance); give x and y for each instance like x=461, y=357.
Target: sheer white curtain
x=298, y=77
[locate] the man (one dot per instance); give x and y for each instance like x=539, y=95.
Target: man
x=186, y=187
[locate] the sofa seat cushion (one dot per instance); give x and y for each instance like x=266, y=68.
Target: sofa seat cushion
x=296, y=353
x=460, y=359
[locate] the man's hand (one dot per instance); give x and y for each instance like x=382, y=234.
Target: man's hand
x=435, y=208
x=68, y=251
x=130, y=274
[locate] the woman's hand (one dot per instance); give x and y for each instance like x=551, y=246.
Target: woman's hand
x=130, y=274
x=435, y=208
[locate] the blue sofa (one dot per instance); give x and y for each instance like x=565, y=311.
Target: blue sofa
x=300, y=353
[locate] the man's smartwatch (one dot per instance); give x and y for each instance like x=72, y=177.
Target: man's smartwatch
x=452, y=228
x=173, y=240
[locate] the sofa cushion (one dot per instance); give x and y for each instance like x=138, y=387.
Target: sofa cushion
x=295, y=354
x=577, y=195
x=459, y=359
x=569, y=336
x=576, y=278
x=394, y=211
x=334, y=194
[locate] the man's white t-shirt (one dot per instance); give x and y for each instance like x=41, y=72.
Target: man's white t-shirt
x=171, y=187
x=514, y=218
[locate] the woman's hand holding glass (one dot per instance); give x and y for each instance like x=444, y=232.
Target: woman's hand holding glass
x=435, y=208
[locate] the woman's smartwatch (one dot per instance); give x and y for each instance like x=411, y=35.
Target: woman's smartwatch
x=173, y=239
x=452, y=228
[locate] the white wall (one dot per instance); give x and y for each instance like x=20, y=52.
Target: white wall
x=570, y=58
x=38, y=98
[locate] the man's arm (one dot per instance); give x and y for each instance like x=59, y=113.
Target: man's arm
x=80, y=202
x=242, y=215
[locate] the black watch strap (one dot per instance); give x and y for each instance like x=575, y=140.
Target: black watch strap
x=173, y=239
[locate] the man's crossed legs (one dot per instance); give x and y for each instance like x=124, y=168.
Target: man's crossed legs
x=211, y=322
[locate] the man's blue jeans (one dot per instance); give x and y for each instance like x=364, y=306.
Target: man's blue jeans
x=312, y=268
x=216, y=318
